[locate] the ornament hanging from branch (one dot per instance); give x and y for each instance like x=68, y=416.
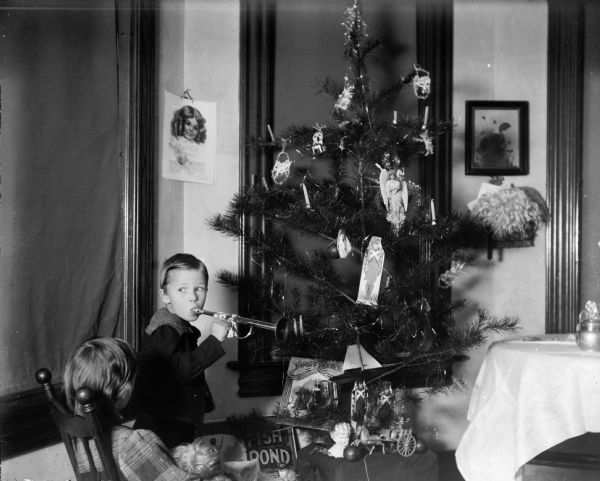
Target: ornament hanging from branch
x=281, y=169
x=427, y=141
x=345, y=98
x=344, y=246
x=318, y=147
x=421, y=82
x=446, y=279
x=424, y=135
x=370, y=277
x=394, y=192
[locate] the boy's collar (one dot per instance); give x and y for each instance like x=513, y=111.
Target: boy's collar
x=163, y=317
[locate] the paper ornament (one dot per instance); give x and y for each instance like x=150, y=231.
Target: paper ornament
x=370, y=278
x=281, y=169
x=447, y=278
x=343, y=244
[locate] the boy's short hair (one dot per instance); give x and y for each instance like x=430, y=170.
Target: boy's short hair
x=107, y=366
x=180, y=261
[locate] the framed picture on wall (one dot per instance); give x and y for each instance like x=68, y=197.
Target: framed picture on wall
x=189, y=139
x=496, y=137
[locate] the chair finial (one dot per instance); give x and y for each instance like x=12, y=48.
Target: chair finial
x=84, y=396
x=43, y=376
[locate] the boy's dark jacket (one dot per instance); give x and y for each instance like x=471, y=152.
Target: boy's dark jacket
x=170, y=382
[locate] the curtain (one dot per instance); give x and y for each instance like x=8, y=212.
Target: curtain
x=61, y=230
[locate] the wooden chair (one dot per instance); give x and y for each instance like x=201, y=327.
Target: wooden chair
x=86, y=429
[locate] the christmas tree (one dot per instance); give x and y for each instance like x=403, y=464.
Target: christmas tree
x=358, y=255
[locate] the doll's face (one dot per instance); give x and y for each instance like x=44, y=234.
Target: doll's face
x=185, y=293
x=190, y=129
x=341, y=439
x=341, y=434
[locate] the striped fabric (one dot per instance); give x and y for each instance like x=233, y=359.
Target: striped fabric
x=140, y=456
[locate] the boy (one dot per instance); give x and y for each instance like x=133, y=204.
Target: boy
x=171, y=391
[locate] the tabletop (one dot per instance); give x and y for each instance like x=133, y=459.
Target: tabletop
x=529, y=395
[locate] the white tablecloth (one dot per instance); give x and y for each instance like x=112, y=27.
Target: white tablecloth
x=528, y=397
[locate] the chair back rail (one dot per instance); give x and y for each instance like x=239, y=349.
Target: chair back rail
x=84, y=430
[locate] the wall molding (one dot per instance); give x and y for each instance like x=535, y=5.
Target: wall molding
x=564, y=163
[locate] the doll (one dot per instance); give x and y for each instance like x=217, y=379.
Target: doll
x=340, y=433
x=200, y=457
x=286, y=473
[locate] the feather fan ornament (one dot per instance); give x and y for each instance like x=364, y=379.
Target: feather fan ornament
x=509, y=213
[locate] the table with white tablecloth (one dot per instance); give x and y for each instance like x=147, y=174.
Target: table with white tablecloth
x=529, y=395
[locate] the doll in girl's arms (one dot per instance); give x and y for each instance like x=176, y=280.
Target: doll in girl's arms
x=200, y=457
x=203, y=458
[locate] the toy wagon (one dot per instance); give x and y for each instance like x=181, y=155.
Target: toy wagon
x=401, y=441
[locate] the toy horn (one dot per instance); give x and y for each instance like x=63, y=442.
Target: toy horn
x=281, y=329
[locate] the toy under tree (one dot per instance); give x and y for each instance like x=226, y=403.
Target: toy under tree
x=359, y=256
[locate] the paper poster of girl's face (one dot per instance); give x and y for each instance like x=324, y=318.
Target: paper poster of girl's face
x=189, y=139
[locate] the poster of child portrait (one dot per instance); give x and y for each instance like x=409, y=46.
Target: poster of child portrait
x=189, y=137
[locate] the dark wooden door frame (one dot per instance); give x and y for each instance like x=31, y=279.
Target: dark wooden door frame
x=564, y=163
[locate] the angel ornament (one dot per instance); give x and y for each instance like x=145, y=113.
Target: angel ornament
x=394, y=192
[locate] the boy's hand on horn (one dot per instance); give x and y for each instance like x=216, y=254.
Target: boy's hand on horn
x=220, y=327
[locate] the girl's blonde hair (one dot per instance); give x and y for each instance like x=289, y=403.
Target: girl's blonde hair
x=107, y=366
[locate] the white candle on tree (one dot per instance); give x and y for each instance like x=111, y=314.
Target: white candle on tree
x=432, y=212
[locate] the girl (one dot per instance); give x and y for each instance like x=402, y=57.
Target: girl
x=108, y=366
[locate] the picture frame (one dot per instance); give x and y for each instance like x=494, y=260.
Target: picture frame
x=496, y=137
x=189, y=139
x=303, y=375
